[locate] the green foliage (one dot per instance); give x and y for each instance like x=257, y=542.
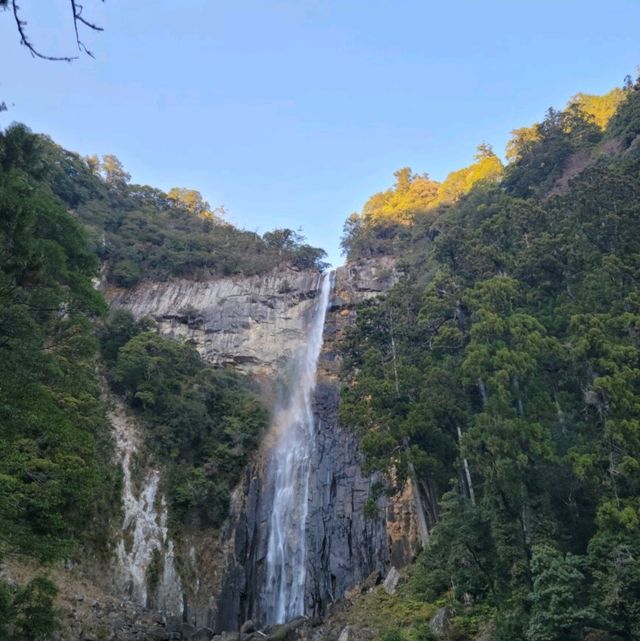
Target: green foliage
x=203, y=423
x=141, y=232
x=560, y=596
x=486, y=168
x=55, y=475
x=625, y=124
x=381, y=227
x=540, y=155
x=393, y=635
x=502, y=376
x=600, y=108
x=410, y=194
x=28, y=613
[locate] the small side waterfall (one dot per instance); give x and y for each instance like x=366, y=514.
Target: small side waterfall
x=293, y=432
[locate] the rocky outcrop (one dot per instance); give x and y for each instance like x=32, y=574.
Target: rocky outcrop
x=145, y=556
x=256, y=323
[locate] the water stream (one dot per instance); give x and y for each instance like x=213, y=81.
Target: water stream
x=294, y=431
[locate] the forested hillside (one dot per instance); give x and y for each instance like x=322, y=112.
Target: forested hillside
x=503, y=374
x=140, y=232
x=66, y=222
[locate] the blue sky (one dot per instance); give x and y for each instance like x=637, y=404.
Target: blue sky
x=292, y=113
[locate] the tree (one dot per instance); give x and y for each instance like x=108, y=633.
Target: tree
x=559, y=599
x=194, y=203
x=93, y=162
x=114, y=173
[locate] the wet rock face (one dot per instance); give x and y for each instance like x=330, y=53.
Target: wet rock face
x=345, y=546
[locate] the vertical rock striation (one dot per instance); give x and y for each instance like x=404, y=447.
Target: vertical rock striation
x=145, y=557
x=343, y=545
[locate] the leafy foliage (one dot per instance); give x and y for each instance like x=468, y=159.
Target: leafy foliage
x=380, y=228
x=28, y=613
x=141, y=232
x=57, y=484
x=54, y=442
x=203, y=423
x=510, y=349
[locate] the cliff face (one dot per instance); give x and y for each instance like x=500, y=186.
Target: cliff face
x=254, y=323
x=258, y=324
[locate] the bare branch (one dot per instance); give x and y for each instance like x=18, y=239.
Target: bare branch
x=77, y=17
x=76, y=9
x=21, y=24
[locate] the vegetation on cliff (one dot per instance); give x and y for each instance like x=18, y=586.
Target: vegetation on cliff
x=56, y=480
x=201, y=422
x=60, y=215
x=140, y=232
x=503, y=375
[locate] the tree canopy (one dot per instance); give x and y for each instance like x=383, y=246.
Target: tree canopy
x=502, y=376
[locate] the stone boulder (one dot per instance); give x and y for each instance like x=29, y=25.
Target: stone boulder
x=391, y=581
x=441, y=621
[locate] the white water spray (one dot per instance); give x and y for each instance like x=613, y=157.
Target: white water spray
x=294, y=432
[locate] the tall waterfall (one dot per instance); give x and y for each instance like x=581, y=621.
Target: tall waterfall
x=294, y=431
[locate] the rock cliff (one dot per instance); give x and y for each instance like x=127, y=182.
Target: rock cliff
x=254, y=323
x=258, y=324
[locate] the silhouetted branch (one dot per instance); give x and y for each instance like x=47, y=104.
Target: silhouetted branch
x=77, y=17
x=76, y=9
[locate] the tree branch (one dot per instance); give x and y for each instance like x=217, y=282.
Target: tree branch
x=21, y=24
x=76, y=9
x=77, y=17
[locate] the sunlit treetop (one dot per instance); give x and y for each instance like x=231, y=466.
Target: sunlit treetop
x=596, y=109
x=194, y=203
x=414, y=193
x=487, y=167
x=410, y=194
x=600, y=108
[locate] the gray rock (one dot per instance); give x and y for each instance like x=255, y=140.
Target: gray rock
x=391, y=581
x=203, y=634
x=256, y=323
x=226, y=636
x=345, y=635
x=247, y=627
x=441, y=620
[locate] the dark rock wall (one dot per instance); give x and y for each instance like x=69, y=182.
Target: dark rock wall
x=344, y=546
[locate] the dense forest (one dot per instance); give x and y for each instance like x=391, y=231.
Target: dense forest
x=502, y=373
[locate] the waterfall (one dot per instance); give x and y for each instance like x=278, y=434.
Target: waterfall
x=293, y=430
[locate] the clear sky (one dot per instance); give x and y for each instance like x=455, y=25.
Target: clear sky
x=292, y=112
